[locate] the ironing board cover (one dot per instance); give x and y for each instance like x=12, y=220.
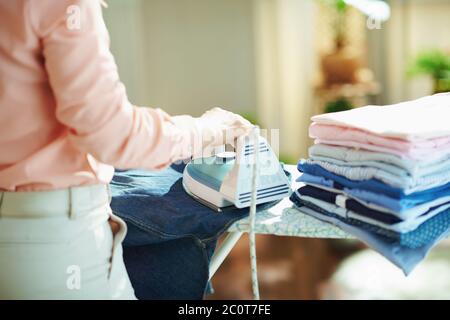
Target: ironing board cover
x=284, y=219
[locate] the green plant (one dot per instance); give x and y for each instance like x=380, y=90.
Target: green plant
x=434, y=63
x=338, y=105
x=250, y=116
x=340, y=21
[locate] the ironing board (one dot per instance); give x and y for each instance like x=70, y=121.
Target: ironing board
x=281, y=220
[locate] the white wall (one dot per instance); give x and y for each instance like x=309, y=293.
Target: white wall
x=252, y=57
x=286, y=61
x=185, y=56
x=125, y=25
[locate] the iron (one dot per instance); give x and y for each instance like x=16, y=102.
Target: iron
x=224, y=179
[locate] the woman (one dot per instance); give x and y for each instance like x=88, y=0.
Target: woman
x=65, y=121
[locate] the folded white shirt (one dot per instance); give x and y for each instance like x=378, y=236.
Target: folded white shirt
x=407, y=183
x=424, y=118
x=386, y=161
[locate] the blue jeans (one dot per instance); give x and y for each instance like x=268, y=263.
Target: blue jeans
x=172, y=270
x=171, y=237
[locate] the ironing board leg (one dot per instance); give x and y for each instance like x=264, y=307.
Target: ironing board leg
x=222, y=252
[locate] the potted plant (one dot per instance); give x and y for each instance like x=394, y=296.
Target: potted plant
x=341, y=104
x=341, y=65
x=434, y=63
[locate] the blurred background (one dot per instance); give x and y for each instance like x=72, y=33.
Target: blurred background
x=278, y=62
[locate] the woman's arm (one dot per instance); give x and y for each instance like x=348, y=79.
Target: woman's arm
x=92, y=102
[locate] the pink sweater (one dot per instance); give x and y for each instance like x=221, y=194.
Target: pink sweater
x=65, y=119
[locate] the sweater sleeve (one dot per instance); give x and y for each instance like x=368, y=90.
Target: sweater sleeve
x=91, y=101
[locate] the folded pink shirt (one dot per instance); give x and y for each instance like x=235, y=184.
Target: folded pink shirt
x=351, y=137
x=417, y=129
x=65, y=119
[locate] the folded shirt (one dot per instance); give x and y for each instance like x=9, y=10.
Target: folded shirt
x=418, y=120
x=405, y=252
x=385, y=161
x=401, y=207
x=352, y=204
x=374, y=185
x=351, y=137
x=412, y=239
x=407, y=183
x=403, y=226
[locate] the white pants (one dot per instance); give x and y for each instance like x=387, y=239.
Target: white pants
x=59, y=245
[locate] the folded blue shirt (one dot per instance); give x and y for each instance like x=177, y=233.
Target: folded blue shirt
x=395, y=205
x=350, y=204
x=373, y=185
x=355, y=209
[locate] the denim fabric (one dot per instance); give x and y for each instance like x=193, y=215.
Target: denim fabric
x=407, y=254
x=172, y=270
x=375, y=185
x=171, y=237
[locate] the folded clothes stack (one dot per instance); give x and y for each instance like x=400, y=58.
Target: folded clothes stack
x=383, y=175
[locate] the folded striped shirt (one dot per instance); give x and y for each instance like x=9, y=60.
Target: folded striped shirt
x=407, y=183
x=374, y=185
x=385, y=161
x=403, y=208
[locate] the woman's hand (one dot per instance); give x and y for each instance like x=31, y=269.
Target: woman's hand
x=220, y=126
x=214, y=128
